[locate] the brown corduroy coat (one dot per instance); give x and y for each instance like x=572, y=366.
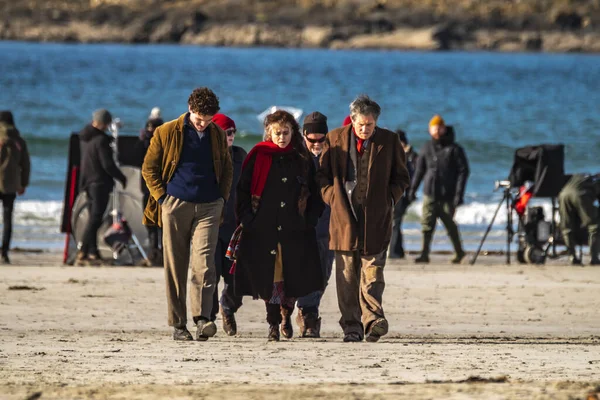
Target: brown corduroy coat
x=162, y=159
x=387, y=180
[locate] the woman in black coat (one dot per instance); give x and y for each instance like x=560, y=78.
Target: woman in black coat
x=278, y=205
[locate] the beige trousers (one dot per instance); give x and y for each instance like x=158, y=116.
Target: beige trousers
x=360, y=285
x=186, y=224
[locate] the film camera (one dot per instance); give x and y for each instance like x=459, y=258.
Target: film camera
x=543, y=166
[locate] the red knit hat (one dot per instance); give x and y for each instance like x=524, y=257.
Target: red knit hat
x=223, y=121
x=347, y=121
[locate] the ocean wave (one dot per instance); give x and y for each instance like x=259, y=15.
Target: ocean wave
x=479, y=213
x=49, y=213
x=38, y=213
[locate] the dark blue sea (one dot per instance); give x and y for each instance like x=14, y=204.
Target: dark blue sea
x=496, y=102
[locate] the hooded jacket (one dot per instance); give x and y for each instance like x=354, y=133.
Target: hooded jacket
x=98, y=166
x=443, y=166
x=15, y=165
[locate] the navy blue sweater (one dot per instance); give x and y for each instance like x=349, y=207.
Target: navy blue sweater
x=194, y=179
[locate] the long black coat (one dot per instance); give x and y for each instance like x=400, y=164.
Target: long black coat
x=443, y=166
x=278, y=220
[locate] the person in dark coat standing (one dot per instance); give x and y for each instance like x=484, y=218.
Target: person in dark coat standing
x=315, y=130
x=230, y=303
x=362, y=176
x=146, y=134
x=278, y=206
x=98, y=172
x=15, y=169
x=397, y=243
x=443, y=165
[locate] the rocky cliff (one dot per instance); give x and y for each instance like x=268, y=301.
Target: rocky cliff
x=496, y=25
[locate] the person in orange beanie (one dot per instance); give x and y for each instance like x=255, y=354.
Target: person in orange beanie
x=443, y=166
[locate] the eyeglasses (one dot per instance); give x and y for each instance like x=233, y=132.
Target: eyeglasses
x=321, y=140
x=230, y=132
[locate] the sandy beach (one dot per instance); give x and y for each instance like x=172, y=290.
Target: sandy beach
x=456, y=332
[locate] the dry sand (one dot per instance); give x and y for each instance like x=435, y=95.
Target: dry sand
x=457, y=332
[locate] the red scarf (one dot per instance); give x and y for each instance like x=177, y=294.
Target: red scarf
x=264, y=157
x=359, y=143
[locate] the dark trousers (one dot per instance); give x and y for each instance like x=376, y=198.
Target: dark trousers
x=151, y=229
x=229, y=301
x=8, y=202
x=98, y=200
x=397, y=242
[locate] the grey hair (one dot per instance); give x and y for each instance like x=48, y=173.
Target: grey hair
x=365, y=106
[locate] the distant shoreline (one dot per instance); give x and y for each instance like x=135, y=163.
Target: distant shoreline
x=433, y=38
x=552, y=26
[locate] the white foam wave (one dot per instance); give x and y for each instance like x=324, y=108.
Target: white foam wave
x=38, y=213
x=49, y=213
x=478, y=213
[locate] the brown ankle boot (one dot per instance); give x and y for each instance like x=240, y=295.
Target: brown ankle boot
x=312, y=323
x=287, y=330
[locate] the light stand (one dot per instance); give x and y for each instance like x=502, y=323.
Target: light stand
x=506, y=199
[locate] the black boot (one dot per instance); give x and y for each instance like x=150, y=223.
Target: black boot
x=594, y=248
x=424, y=257
x=570, y=244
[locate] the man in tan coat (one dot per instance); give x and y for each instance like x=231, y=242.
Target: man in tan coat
x=188, y=172
x=362, y=176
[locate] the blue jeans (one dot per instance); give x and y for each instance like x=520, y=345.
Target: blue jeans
x=310, y=303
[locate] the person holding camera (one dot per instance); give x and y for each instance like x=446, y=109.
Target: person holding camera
x=576, y=208
x=443, y=165
x=98, y=172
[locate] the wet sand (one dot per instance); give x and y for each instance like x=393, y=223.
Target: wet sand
x=456, y=332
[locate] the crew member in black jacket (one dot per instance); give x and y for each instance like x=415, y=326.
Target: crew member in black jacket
x=443, y=165
x=98, y=172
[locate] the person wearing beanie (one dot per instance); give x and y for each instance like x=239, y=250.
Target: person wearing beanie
x=230, y=303
x=15, y=168
x=155, y=113
x=146, y=134
x=397, y=244
x=362, y=176
x=309, y=322
x=98, y=171
x=189, y=172
x=443, y=165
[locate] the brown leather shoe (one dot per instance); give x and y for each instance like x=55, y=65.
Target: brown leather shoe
x=378, y=328
x=287, y=330
x=229, y=324
x=273, y=333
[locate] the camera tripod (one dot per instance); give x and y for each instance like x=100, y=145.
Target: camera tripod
x=507, y=200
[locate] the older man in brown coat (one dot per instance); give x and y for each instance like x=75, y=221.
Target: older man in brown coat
x=188, y=172
x=362, y=176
